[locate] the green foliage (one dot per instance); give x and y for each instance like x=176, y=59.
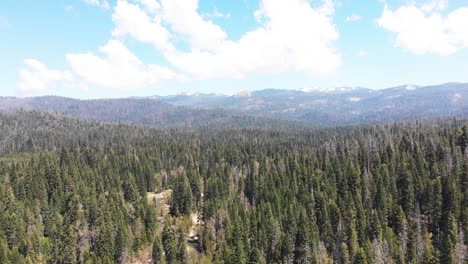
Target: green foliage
x=394, y=192
x=157, y=251
x=182, y=197
x=169, y=244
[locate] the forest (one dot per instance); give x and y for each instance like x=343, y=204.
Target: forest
x=77, y=191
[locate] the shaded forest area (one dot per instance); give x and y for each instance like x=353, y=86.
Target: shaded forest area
x=75, y=191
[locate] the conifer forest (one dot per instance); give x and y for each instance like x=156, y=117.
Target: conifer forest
x=75, y=191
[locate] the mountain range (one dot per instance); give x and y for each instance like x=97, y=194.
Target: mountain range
x=270, y=107
x=339, y=106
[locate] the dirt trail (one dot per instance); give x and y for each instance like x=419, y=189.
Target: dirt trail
x=161, y=199
x=158, y=196
x=193, y=242
x=143, y=256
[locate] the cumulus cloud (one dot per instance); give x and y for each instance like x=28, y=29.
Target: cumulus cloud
x=37, y=77
x=100, y=3
x=186, y=22
x=426, y=29
x=353, y=18
x=217, y=14
x=145, y=24
x=131, y=20
x=120, y=69
x=437, y=5
x=151, y=6
x=292, y=35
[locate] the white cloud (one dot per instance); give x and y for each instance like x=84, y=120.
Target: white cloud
x=151, y=6
x=327, y=8
x=353, y=18
x=217, y=14
x=435, y=5
x=131, y=21
x=100, y=3
x=292, y=35
x=39, y=78
x=425, y=29
x=68, y=8
x=184, y=20
x=362, y=53
x=120, y=69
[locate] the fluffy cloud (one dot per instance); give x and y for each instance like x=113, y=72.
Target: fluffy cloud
x=353, y=18
x=185, y=22
x=100, y=3
x=131, y=20
x=437, y=5
x=184, y=19
x=120, y=69
x=425, y=29
x=39, y=78
x=292, y=35
x=217, y=14
x=151, y=6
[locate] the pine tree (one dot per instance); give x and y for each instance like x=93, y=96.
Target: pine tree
x=462, y=139
x=344, y=254
x=169, y=244
x=4, y=252
x=157, y=251
x=360, y=257
x=181, y=197
x=181, y=248
x=301, y=249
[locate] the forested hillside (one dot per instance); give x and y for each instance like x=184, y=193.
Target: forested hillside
x=143, y=112
x=75, y=191
x=270, y=107
x=340, y=105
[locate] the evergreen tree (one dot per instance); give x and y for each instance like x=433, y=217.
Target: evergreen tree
x=181, y=248
x=169, y=244
x=157, y=252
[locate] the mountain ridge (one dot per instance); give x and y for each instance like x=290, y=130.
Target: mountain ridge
x=342, y=106
x=270, y=107
x=142, y=111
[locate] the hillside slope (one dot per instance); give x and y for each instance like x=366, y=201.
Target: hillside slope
x=141, y=111
x=340, y=106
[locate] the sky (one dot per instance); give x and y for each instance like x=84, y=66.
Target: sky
x=121, y=48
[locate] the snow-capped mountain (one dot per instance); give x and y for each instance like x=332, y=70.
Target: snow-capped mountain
x=340, y=105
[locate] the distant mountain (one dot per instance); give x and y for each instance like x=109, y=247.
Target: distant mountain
x=342, y=105
x=270, y=107
x=151, y=112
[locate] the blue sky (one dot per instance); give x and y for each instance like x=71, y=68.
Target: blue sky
x=101, y=49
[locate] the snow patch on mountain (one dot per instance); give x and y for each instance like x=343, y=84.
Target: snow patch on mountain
x=328, y=90
x=189, y=93
x=457, y=97
x=354, y=99
x=245, y=93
